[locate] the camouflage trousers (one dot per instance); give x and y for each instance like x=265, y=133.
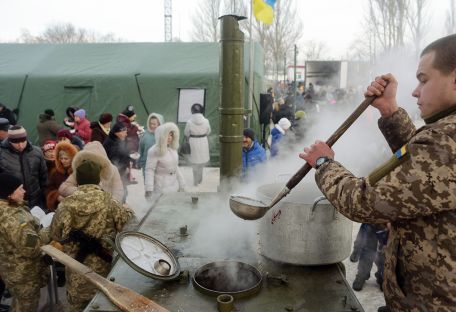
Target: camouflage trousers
x=79, y=290
x=25, y=296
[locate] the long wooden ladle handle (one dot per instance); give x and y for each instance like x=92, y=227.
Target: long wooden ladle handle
x=124, y=298
x=298, y=176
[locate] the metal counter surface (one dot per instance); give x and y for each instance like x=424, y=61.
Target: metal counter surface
x=309, y=289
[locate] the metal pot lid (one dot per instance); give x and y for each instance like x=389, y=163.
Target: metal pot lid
x=147, y=255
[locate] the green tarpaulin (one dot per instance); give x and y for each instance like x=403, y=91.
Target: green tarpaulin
x=108, y=77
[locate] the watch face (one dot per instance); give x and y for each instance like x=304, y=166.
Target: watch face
x=320, y=161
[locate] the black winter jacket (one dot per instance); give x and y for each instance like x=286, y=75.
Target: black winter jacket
x=29, y=166
x=118, y=154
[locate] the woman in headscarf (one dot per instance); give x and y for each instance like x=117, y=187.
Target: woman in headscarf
x=162, y=165
x=21, y=265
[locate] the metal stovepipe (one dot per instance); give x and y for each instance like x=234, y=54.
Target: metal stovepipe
x=231, y=96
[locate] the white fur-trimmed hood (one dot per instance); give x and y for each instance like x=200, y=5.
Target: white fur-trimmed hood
x=95, y=152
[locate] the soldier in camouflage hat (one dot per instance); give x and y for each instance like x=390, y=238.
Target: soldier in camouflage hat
x=82, y=222
x=21, y=265
x=415, y=191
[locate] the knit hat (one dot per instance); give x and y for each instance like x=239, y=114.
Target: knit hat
x=118, y=127
x=64, y=133
x=4, y=124
x=284, y=123
x=17, y=134
x=88, y=172
x=129, y=111
x=49, y=112
x=48, y=146
x=197, y=108
x=249, y=133
x=81, y=113
x=9, y=184
x=105, y=118
x=300, y=114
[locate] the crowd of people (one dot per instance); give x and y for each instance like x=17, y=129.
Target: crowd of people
x=82, y=169
x=80, y=173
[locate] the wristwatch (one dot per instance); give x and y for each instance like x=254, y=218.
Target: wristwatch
x=321, y=160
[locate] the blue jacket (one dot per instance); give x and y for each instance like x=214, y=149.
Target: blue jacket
x=276, y=137
x=253, y=156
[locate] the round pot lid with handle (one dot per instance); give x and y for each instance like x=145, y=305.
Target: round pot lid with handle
x=147, y=255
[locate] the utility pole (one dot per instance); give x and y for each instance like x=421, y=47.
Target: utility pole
x=295, y=85
x=168, y=21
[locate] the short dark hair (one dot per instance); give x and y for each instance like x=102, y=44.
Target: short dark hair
x=197, y=108
x=445, y=53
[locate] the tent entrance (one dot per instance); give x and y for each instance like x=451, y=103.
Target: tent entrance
x=80, y=96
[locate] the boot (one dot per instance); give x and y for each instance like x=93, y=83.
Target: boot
x=4, y=308
x=383, y=309
x=358, y=283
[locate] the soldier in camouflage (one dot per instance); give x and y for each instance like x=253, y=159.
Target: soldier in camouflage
x=82, y=223
x=415, y=191
x=21, y=265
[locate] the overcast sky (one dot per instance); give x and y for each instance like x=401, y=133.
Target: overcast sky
x=335, y=22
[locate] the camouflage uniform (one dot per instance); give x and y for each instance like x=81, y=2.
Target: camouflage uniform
x=21, y=265
x=418, y=197
x=97, y=214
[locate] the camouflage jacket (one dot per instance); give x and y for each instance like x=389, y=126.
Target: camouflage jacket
x=94, y=212
x=20, y=242
x=418, y=198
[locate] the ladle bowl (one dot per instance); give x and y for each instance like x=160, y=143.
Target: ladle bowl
x=247, y=208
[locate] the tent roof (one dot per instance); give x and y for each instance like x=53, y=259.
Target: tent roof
x=100, y=59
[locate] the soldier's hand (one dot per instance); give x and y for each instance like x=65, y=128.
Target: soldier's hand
x=384, y=87
x=315, y=151
x=56, y=245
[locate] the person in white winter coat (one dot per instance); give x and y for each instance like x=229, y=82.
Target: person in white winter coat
x=162, y=174
x=110, y=177
x=196, y=130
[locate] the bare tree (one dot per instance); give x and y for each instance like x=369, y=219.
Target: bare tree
x=418, y=21
x=66, y=33
x=314, y=50
x=279, y=38
x=388, y=18
x=206, y=26
x=450, y=23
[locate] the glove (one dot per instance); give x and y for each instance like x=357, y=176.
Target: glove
x=56, y=245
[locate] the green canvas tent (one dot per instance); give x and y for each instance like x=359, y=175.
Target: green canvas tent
x=153, y=77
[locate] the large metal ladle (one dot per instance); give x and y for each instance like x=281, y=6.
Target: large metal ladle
x=251, y=209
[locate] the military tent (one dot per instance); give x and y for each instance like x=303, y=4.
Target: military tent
x=153, y=77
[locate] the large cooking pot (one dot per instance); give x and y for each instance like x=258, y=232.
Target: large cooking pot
x=304, y=228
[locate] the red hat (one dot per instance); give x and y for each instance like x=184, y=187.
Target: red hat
x=64, y=133
x=48, y=146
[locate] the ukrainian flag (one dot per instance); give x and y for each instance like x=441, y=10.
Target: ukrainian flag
x=401, y=152
x=264, y=10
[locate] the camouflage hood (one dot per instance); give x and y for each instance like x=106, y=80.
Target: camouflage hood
x=86, y=200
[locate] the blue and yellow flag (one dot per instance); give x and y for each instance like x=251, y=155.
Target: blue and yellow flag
x=264, y=10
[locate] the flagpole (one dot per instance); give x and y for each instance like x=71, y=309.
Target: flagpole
x=250, y=66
